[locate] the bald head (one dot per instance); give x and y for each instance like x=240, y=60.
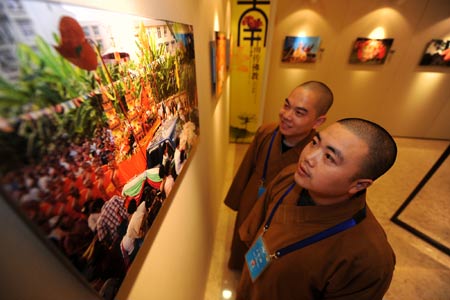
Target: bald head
x=324, y=95
x=382, y=147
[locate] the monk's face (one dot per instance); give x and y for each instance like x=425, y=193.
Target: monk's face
x=329, y=163
x=298, y=115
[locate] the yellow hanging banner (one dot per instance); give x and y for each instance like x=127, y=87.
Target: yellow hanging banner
x=249, y=24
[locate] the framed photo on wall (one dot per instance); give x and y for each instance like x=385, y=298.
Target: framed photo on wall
x=437, y=53
x=218, y=49
x=98, y=119
x=370, y=51
x=221, y=62
x=300, y=49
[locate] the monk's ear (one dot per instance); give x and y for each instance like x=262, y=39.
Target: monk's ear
x=319, y=121
x=359, y=185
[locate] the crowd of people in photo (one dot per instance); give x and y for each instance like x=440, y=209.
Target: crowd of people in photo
x=65, y=178
x=74, y=194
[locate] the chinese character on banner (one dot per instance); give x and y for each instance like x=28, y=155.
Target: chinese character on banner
x=250, y=20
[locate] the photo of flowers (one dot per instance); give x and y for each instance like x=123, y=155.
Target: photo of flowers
x=300, y=49
x=370, y=51
x=98, y=118
x=437, y=53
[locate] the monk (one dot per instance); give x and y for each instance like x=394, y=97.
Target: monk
x=312, y=233
x=274, y=147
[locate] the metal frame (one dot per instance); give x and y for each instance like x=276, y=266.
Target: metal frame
x=408, y=200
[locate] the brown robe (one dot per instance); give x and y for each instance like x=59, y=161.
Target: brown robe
x=243, y=191
x=357, y=263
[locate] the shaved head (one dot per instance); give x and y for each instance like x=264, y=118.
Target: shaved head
x=324, y=93
x=382, y=147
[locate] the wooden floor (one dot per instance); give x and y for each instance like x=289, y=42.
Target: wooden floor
x=422, y=272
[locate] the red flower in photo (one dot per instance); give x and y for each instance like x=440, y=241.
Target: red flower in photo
x=74, y=47
x=370, y=50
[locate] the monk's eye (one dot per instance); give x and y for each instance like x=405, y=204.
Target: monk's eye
x=329, y=158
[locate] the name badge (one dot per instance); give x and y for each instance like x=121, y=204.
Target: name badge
x=257, y=258
x=261, y=190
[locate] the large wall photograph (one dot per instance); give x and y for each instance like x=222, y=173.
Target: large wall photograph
x=98, y=118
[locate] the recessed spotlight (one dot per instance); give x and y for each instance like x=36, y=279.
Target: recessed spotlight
x=226, y=294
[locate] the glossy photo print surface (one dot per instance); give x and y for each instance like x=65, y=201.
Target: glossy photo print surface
x=98, y=118
x=370, y=51
x=300, y=49
x=220, y=62
x=437, y=53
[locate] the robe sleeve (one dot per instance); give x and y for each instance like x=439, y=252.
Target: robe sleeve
x=363, y=278
x=242, y=177
x=254, y=221
x=363, y=288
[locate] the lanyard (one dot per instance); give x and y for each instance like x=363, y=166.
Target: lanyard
x=263, y=178
x=353, y=221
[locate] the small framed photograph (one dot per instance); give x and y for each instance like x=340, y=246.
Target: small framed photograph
x=370, y=51
x=437, y=53
x=298, y=49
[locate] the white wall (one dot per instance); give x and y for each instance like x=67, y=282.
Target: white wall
x=173, y=262
x=407, y=99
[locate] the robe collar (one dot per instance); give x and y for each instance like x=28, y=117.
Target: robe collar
x=289, y=212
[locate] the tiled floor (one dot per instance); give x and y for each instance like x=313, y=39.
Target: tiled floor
x=422, y=272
